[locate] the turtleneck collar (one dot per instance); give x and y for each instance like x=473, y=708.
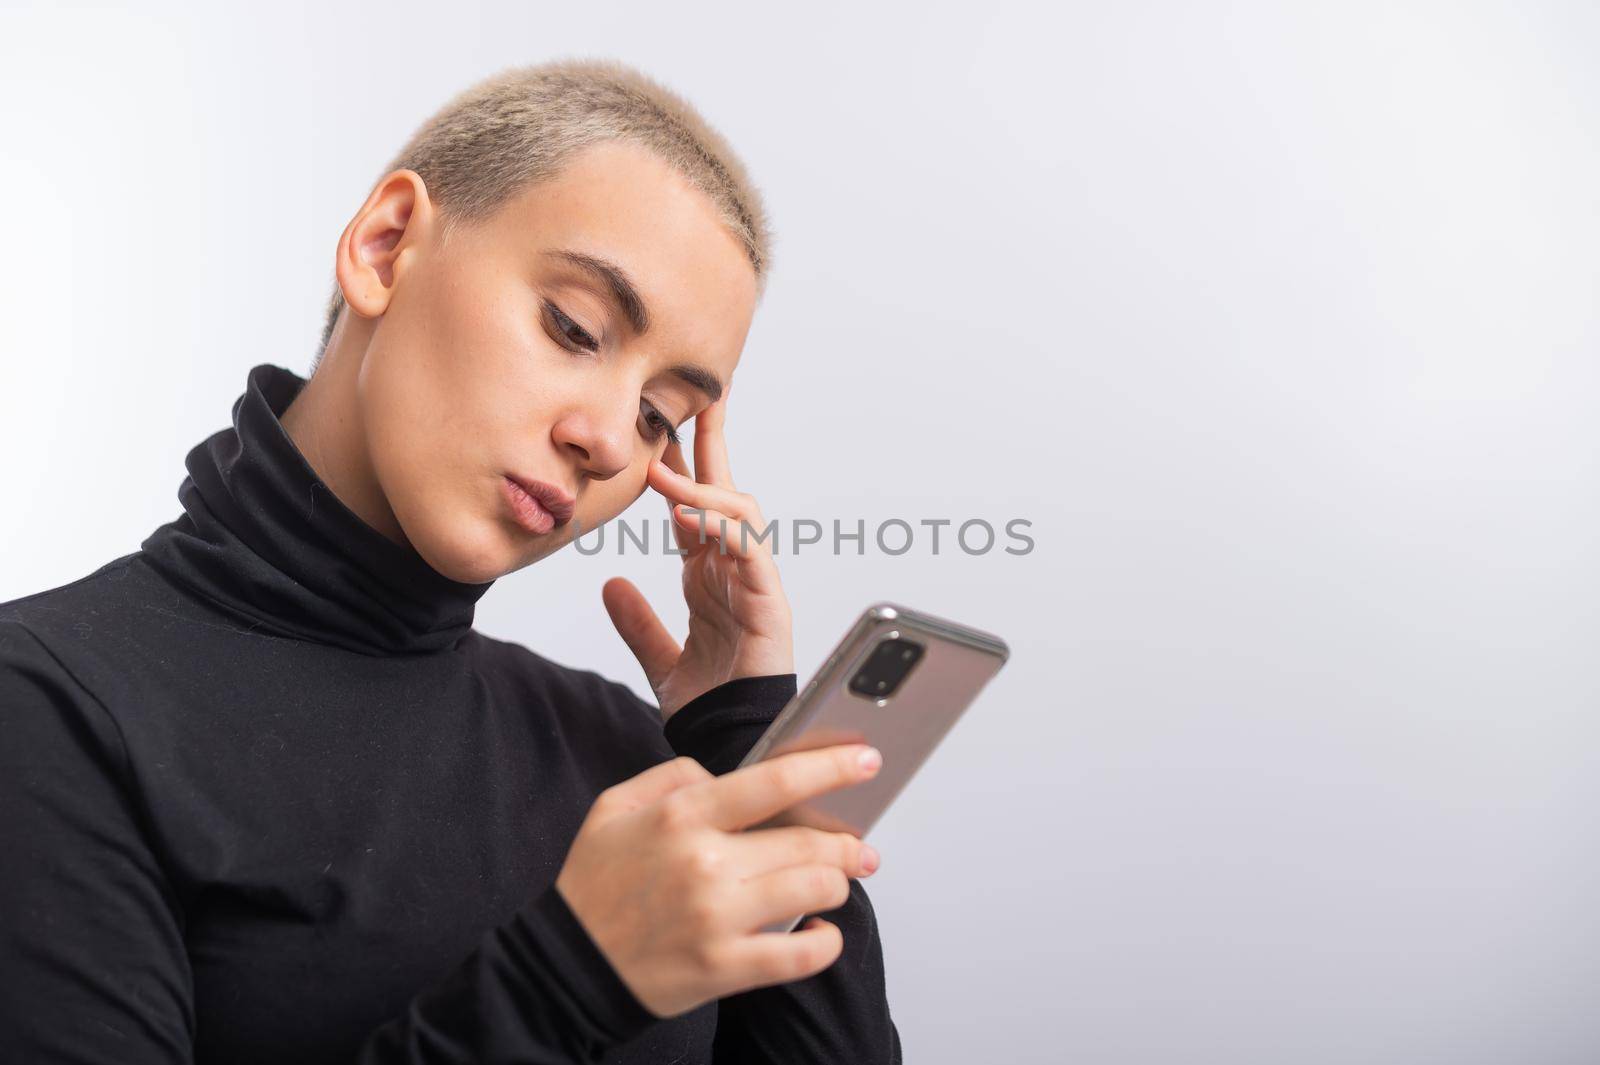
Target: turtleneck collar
x=265, y=538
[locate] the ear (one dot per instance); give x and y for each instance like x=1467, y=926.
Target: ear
x=397, y=217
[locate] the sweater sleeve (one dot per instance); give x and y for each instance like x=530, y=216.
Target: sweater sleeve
x=536, y=989
x=839, y=1014
x=93, y=964
x=92, y=960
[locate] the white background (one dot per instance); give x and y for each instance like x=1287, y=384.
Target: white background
x=1277, y=322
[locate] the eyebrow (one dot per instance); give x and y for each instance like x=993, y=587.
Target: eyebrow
x=623, y=293
x=618, y=285
x=699, y=377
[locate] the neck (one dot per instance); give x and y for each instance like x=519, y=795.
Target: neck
x=324, y=421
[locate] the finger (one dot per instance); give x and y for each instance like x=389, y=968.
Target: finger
x=753, y=793
x=711, y=445
x=681, y=489
x=782, y=893
x=737, y=538
x=684, y=538
x=808, y=816
x=673, y=457
x=767, y=958
x=655, y=783
x=762, y=850
x=641, y=629
x=751, y=546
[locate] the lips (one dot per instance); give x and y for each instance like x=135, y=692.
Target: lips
x=537, y=505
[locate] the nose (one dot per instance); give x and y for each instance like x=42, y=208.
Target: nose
x=599, y=440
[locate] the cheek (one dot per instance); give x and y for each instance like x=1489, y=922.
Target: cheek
x=605, y=500
x=430, y=443
x=396, y=417
x=417, y=439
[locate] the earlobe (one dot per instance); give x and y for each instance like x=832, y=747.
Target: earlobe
x=390, y=221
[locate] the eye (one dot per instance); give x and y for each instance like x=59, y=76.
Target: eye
x=570, y=334
x=656, y=424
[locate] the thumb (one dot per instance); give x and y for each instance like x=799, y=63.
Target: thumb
x=660, y=780
x=636, y=622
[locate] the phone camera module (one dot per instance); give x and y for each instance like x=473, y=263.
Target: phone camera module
x=886, y=668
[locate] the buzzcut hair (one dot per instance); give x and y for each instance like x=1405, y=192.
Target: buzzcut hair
x=514, y=129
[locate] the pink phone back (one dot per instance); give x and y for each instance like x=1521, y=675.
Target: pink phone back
x=955, y=665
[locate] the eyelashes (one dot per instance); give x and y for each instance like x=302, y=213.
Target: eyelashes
x=575, y=338
x=660, y=426
x=572, y=335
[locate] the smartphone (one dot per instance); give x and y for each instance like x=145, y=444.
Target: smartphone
x=899, y=680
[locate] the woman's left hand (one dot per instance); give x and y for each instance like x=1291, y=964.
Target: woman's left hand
x=739, y=621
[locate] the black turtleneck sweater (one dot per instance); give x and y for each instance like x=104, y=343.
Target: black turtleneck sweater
x=267, y=796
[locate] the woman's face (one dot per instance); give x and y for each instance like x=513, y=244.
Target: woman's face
x=511, y=353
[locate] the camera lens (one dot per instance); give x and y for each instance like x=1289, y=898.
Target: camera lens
x=886, y=668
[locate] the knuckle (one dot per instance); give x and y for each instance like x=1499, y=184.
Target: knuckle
x=705, y=862
x=787, y=964
x=690, y=768
x=847, y=849
x=786, y=776
x=812, y=845
x=675, y=812
x=814, y=956
x=833, y=948
x=701, y=910
x=706, y=956
x=822, y=881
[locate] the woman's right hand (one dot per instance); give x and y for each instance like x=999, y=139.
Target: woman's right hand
x=674, y=894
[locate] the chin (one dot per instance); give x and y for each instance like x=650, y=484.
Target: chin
x=469, y=552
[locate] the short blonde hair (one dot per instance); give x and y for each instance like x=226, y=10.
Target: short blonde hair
x=491, y=142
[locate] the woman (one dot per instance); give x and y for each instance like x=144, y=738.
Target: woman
x=266, y=794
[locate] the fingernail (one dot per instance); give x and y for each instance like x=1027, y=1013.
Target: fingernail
x=871, y=759
x=869, y=858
